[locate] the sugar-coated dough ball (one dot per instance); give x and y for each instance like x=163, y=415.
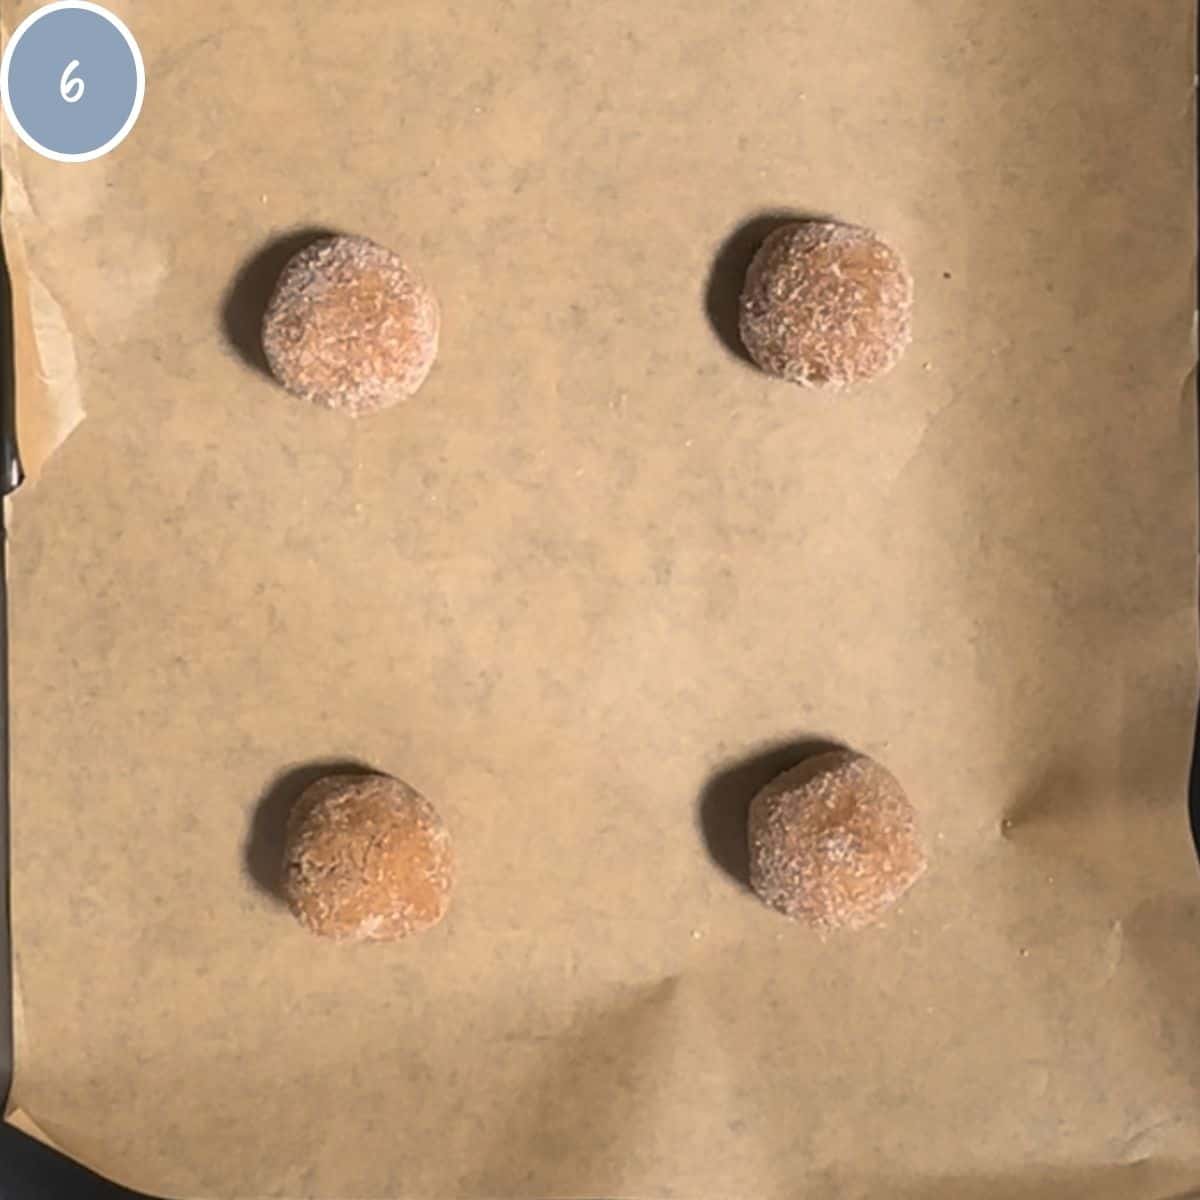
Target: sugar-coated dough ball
x=350, y=326
x=367, y=859
x=826, y=305
x=834, y=842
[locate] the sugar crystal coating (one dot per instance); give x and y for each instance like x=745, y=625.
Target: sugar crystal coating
x=826, y=305
x=367, y=858
x=834, y=842
x=350, y=327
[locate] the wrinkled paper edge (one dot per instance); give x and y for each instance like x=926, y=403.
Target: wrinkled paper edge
x=48, y=409
x=48, y=403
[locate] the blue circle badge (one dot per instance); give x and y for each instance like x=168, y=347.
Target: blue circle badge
x=72, y=81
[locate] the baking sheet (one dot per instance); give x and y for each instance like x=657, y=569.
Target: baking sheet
x=599, y=580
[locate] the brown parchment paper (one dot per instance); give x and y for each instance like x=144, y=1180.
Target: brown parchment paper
x=599, y=580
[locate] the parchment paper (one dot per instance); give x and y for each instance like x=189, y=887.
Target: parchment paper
x=595, y=584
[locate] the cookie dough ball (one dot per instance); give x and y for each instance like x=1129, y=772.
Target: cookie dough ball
x=350, y=327
x=367, y=859
x=834, y=842
x=826, y=305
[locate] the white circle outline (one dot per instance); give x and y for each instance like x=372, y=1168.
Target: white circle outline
x=139, y=95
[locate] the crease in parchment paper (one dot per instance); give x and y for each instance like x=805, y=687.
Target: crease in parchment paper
x=578, y=1115
x=46, y=371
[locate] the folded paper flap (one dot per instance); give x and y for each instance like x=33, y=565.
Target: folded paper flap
x=48, y=403
x=19, y=1119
